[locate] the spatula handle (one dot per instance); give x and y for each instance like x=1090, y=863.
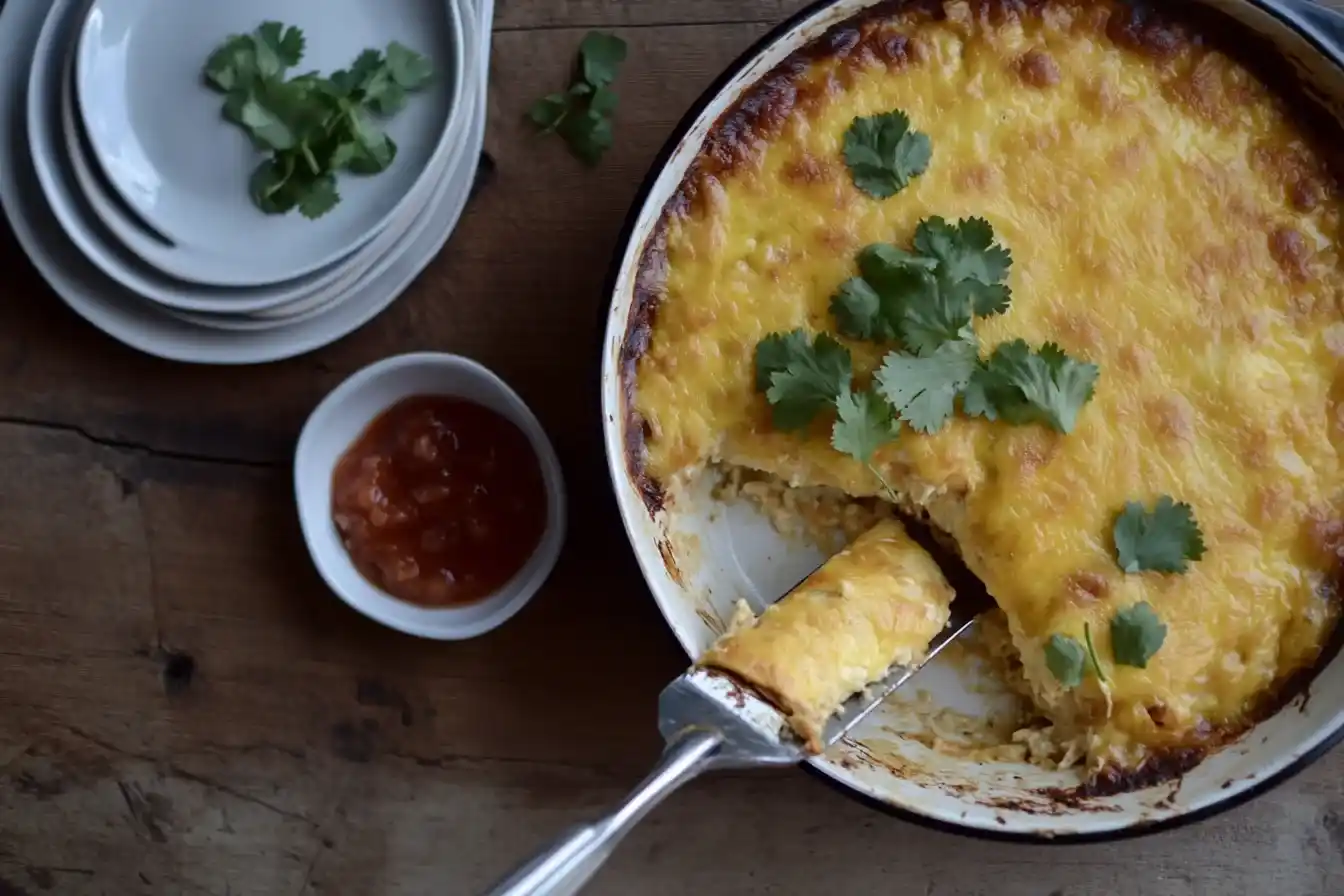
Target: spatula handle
x=568, y=864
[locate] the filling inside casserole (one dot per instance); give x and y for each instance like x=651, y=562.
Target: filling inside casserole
x=1163, y=539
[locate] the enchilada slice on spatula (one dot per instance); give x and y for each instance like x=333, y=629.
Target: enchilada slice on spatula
x=798, y=678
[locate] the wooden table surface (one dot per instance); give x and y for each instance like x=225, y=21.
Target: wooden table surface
x=185, y=709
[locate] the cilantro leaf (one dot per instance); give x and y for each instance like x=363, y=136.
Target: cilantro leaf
x=374, y=150
x=812, y=381
x=873, y=305
x=811, y=378
x=409, y=69
x=286, y=44
x=320, y=197
x=930, y=296
x=890, y=267
x=588, y=134
x=276, y=186
x=389, y=99
x=232, y=65
x=361, y=73
x=600, y=57
x=858, y=311
x=987, y=301
x=265, y=125
x=964, y=251
x=547, y=112
x=1136, y=634
x=935, y=313
x=1066, y=659
x=603, y=101
x=774, y=352
x=883, y=153
x=1022, y=386
x=1164, y=539
x=923, y=389
x=245, y=59
x=863, y=424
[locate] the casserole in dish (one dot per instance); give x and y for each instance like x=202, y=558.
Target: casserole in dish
x=1172, y=219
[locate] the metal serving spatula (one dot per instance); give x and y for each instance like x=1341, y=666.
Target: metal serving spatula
x=709, y=722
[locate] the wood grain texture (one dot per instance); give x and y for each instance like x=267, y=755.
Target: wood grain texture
x=184, y=709
x=529, y=14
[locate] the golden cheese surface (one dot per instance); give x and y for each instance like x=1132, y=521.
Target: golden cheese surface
x=1169, y=222
x=876, y=604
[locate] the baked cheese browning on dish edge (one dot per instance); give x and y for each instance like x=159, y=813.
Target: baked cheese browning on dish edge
x=1168, y=222
x=875, y=605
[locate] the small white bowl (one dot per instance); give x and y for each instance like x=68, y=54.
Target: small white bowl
x=340, y=419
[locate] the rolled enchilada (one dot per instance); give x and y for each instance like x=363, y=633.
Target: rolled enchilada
x=875, y=605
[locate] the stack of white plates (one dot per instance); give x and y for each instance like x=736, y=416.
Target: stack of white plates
x=129, y=191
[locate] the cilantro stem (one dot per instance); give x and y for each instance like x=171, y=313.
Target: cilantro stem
x=891, y=493
x=1092, y=653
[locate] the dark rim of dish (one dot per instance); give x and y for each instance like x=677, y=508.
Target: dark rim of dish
x=1234, y=39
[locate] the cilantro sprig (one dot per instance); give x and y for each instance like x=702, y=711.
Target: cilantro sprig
x=1164, y=539
x=926, y=297
x=1137, y=633
x=930, y=295
x=801, y=377
x=1068, y=660
x=884, y=153
x=1023, y=386
x=310, y=126
x=581, y=115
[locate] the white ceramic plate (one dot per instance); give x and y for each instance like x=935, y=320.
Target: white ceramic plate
x=727, y=552
x=157, y=131
x=252, y=307
x=124, y=316
x=121, y=230
x=334, y=426
x=293, y=314
x=75, y=193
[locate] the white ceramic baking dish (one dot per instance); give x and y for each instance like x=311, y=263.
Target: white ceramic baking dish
x=737, y=555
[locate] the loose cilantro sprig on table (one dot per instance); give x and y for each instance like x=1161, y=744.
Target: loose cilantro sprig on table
x=1164, y=539
x=312, y=127
x=884, y=153
x=582, y=114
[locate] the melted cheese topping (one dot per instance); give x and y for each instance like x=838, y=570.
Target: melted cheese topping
x=874, y=605
x=1169, y=223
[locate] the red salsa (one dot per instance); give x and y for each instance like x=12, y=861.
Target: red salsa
x=439, y=501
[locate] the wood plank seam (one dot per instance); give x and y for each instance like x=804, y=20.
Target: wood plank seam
x=134, y=447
